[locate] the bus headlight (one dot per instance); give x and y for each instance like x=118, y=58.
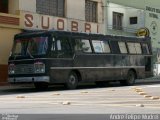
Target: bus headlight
x=11, y=69
x=39, y=67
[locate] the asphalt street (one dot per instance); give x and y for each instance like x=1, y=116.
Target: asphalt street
x=142, y=98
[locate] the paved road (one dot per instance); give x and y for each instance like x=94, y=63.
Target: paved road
x=85, y=100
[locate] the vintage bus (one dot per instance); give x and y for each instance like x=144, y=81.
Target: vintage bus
x=70, y=58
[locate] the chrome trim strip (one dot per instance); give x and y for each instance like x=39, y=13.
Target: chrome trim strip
x=92, y=54
x=54, y=68
x=28, y=79
x=42, y=59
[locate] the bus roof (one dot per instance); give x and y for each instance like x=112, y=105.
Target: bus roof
x=67, y=33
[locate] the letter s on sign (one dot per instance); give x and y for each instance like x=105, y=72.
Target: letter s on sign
x=28, y=20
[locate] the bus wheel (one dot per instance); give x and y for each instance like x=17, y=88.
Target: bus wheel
x=72, y=81
x=131, y=76
x=41, y=85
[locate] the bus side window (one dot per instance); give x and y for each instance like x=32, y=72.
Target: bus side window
x=63, y=47
x=106, y=47
x=134, y=48
x=59, y=47
x=138, y=48
x=123, y=48
x=131, y=48
x=101, y=46
x=83, y=45
x=97, y=45
x=53, y=44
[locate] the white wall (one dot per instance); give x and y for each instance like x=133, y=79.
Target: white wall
x=13, y=6
x=139, y=4
x=127, y=13
x=115, y=8
x=75, y=9
x=131, y=12
x=27, y=5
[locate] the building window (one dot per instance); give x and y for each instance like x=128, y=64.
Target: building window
x=51, y=7
x=133, y=20
x=4, y=6
x=117, y=20
x=91, y=11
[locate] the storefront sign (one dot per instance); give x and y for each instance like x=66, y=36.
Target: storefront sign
x=143, y=32
x=153, y=12
x=44, y=22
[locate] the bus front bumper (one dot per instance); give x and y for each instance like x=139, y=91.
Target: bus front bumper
x=28, y=79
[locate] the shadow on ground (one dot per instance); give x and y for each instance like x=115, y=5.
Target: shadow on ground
x=11, y=90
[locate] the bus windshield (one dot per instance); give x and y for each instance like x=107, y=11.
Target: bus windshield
x=30, y=46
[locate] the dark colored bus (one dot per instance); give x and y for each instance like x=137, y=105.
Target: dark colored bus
x=69, y=58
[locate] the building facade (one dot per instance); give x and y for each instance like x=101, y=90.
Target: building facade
x=9, y=26
x=69, y=15
x=135, y=18
x=119, y=17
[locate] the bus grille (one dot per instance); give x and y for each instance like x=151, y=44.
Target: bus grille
x=24, y=69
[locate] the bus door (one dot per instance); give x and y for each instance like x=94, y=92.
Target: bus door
x=84, y=59
x=62, y=58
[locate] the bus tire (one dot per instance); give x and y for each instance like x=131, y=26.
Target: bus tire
x=72, y=81
x=131, y=76
x=41, y=85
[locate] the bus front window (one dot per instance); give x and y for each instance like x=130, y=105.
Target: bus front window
x=30, y=46
x=38, y=45
x=19, y=47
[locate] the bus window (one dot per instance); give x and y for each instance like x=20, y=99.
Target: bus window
x=145, y=48
x=53, y=45
x=134, y=48
x=131, y=48
x=101, y=46
x=63, y=47
x=59, y=45
x=83, y=45
x=38, y=45
x=123, y=48
x=97, y=45
x=138, y=48
x=106, y=47
x=20, y=47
